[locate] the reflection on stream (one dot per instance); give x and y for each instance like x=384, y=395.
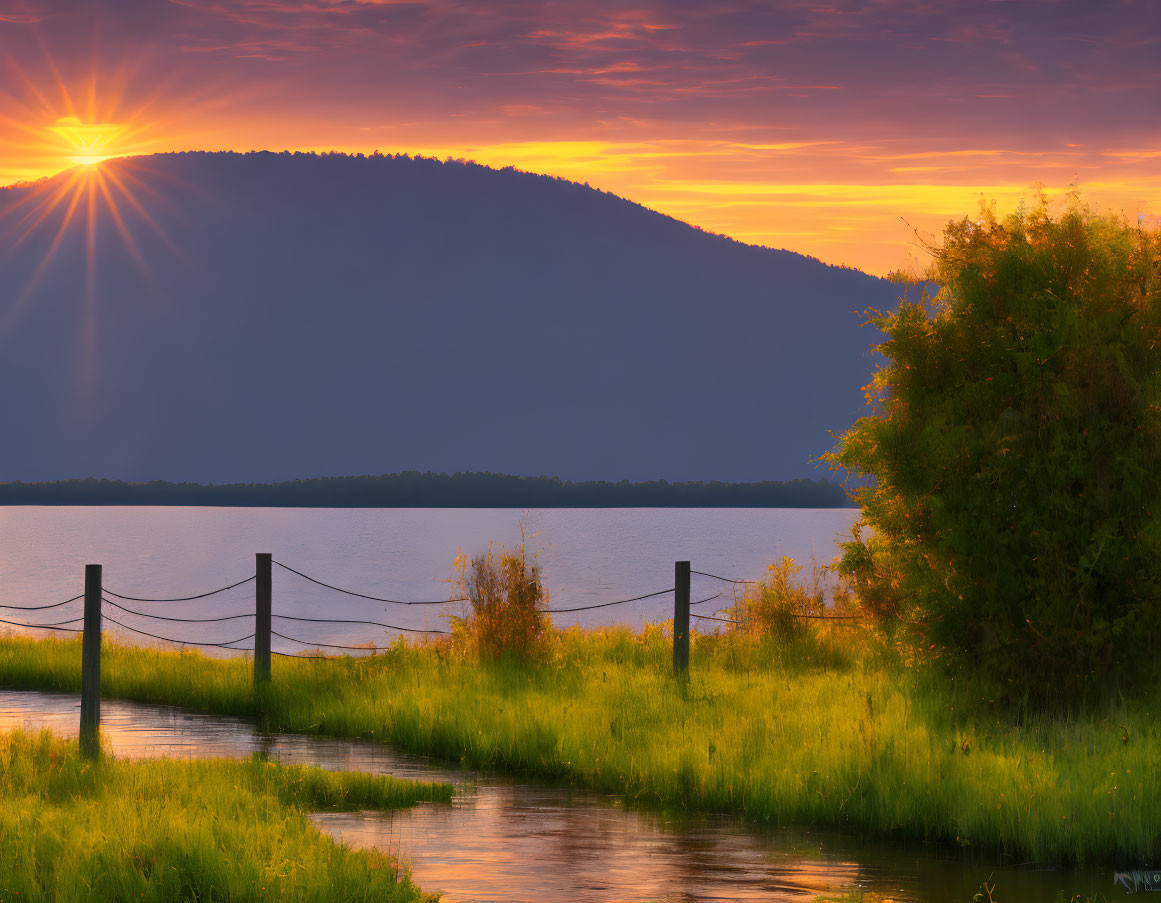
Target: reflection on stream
x=505, y=840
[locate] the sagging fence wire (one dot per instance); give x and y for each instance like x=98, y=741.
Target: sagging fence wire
x=557, y=611
x=205, y=595
x=711, y=618
x=792, y=614
x=723, y=579
x=229, y=644
x=53, y=625
x=56, y=625
x=348, y=621
x=357, y=595
x=42, y=607
x=445, y=632
x=60, y=623
x=290, y=654
x=313, y=645
x=145, y=614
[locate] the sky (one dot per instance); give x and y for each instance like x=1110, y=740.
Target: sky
x=849, y=130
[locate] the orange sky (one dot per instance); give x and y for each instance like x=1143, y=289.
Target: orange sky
x=835, y=128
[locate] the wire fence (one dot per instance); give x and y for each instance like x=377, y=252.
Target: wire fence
x=114, y=600
x=99, y=601
x=205, y=595
x=723, y=579
x=712, y=618
x=54, y=626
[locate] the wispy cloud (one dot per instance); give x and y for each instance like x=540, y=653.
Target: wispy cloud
x=816, y=124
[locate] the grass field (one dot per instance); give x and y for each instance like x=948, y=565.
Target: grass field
x=163, y=830
x=833, y=728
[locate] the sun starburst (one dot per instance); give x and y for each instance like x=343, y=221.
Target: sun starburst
x=85, y=186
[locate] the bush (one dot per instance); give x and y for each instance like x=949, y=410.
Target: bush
x=507, y=600
x=774, y=607
x=1015, y=450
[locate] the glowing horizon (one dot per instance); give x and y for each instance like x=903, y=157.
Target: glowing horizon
x=829, y=128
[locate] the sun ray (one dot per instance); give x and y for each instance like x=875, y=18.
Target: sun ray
x=39, y=214
x=49, y=255
x=126, y=236
x=88, y=349
x=29, y=200
x=130, y=198
x=13, y=310
x=30, y=87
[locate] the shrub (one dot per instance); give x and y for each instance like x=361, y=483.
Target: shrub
x=1015, y=450
x=774, y=607
x=507, y=600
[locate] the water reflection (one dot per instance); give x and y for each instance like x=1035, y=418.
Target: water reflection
x=512, y=841
x=520, y=842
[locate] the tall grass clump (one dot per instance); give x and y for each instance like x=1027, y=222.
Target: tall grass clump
x=507, y=599
x=780, y=605
x=161, y=830
x=801, y=621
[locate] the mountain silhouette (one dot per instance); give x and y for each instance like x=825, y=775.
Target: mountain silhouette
x=257, y=317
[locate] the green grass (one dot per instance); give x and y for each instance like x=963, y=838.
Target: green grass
x=163, y=830
x=831, y=730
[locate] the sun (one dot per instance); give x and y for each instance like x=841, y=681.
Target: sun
x=74, y=172
x=86, y=144
x=69, y=144
x=59, y=133
x=50, y=122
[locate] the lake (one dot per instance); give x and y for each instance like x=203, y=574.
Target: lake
x=588, y=556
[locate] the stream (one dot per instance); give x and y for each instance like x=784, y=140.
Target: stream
x=508, y=839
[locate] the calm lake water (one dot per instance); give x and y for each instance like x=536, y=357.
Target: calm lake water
x=587, y=555
x=503, y=839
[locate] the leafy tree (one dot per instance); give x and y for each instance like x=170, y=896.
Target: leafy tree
x=1015, y=451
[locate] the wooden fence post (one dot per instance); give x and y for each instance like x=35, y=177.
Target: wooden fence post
x=263, y=591
x=680, y=618
x=91, y=665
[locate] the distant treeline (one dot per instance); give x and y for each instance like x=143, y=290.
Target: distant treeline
x=434, y=490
